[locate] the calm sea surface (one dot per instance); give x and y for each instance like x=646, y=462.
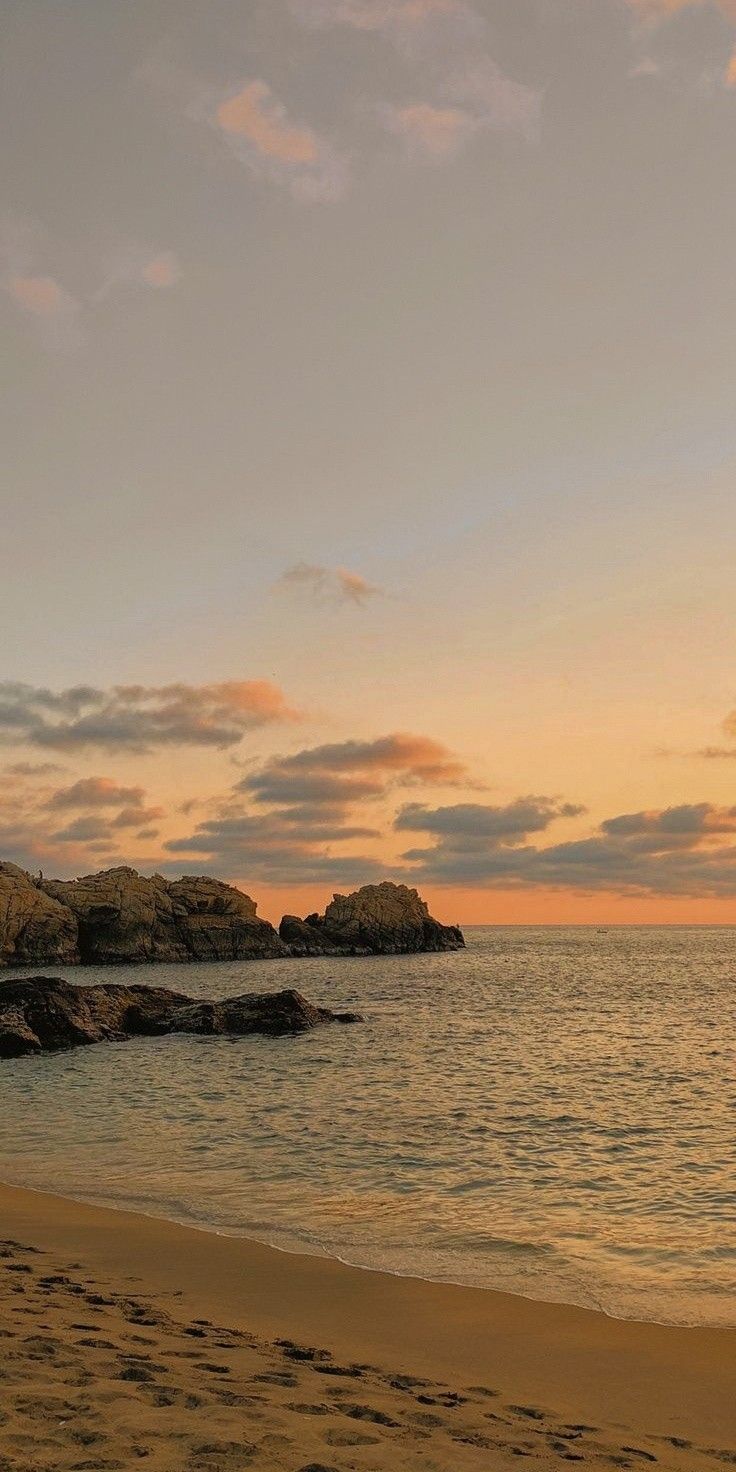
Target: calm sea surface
x=551, y=1112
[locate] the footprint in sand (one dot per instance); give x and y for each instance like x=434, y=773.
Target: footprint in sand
x=216, y=1455
x=350, y=1438
x=308, y=1410
x=368, y=1413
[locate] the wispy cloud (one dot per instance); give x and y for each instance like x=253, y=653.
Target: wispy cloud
x=139, y=718
x=59, y=316
x=445, y=45
x=260, y=132
x=254, y=113
x=133, y=265
x=32, y=769
x=431, y=132
x=34, y=290
x=651, y=13
x=41, y=296
x=337, y=585
x=404, y=22
x=718, y=752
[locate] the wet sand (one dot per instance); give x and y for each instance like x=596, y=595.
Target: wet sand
x=127, y=1341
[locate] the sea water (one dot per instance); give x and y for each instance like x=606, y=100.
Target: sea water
x=551, y=1112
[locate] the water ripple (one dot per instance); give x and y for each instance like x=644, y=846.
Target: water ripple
x=550, y=1112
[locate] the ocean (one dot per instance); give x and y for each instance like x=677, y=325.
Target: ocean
x=551, y=1112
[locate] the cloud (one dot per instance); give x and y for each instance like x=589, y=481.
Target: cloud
x=133, y=816
x=54, y=311
x=162, y=271
x=283, y=819
x=95, y=792
x=494, y=100
x=139, y=718
x=277, y=785
x=654, y=12
x=445, y=44
x=355, y=588
x=721, y=753
x=663, y=9
x=83, y=830
x=414, y=758
x=268, y=848
x=436, y=132
x=255, y=114
x=672, y=851
x=102, y=792
x=258, y=129
x=323, y=783
x=339, y=584
x=398, y=20
x=494, y=825
x=33, y=769
x=41, y=296
x=133, y=265
x=685, y=824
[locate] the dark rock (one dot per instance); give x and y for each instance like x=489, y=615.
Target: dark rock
x=44, y=1014
x=308, y=937
x=377, y=920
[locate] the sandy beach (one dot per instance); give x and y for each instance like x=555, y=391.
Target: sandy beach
x=127, y=1340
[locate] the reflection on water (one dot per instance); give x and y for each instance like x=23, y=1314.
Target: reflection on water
x=550, y=1112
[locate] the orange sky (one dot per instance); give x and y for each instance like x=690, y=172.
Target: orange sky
x=369, y=433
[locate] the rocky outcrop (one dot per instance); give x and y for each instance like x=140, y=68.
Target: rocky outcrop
x=34, y=928
x=42, y=1014
x=123, y=917
x=119, y=917
x=377, y=920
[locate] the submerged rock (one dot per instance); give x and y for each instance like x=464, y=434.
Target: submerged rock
x=41, y=1014
x=377, y=920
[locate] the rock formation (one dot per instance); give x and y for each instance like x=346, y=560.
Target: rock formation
x=41, y=1014
x=34, y=927
x=123, y=917
x=119, y=917
x=377, y=920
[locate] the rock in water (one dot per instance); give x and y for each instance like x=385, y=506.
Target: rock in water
x=123, y=917
x=377, y=920
x=119, y=917
x=40, y=1014
x=34, y=927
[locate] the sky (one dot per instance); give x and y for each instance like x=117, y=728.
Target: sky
x=368, y=422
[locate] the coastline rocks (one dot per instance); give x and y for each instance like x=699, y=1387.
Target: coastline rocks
x=119, y=917
x=377, y=920
x=41, y=1014
x=34, y=927
x=123, y=917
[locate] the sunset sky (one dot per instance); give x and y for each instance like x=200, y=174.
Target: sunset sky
x=368, y=426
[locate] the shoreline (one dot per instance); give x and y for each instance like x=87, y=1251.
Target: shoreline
x=657, y=1381
x=323, y=1254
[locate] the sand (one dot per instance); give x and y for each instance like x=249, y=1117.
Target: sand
x=126, y=1342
